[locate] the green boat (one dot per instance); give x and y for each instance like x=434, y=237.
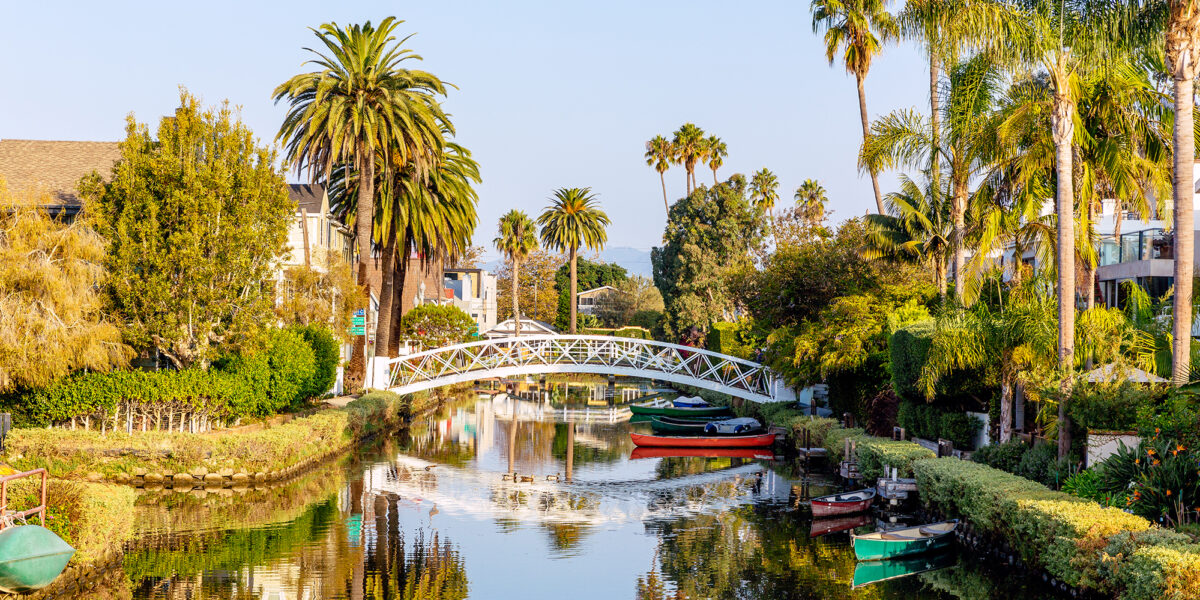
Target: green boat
x=869, y=572
x=904, y=542
x=31, y=557
x=675, y=426
x=666, y=410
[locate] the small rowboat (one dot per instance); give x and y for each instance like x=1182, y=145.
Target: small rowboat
x=846, y=503
x=704, y=441
x=904, y=542
x=665, y=409
x=677, y=426
x=690, y=402
x=866, y=573
x=822, y=527
x=747, y=453
x=31, y=557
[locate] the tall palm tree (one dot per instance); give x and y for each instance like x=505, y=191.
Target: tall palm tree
x=966, y=143
x=1064, y=38
x=573, y=221
x=659, y=154
x=810, y=199
x=689, y=145
x=764, y=191
x=715, y=154
x=517, y=239
x=857, y=29
x=360, y=102
x=917, y=229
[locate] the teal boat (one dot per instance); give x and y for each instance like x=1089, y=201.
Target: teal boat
x=904, y=542
x=667, y=410
x=866, y=573
x=31, y=557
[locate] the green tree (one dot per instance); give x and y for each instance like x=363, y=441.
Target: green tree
x=573, y=221
x=52, y=317
x=715, y=153
x=709, y=236
x=810, y=200
x=196, y=221
x=589, y=275
x=858, y=29
x=660, y=154
x=518, y=237
x=917, y=229
x=541, y=290
x=764, y=191
x=689, y=145
x=637, y=295
x=433, y=326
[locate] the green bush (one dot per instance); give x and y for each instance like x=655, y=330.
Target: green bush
x=1155, y=564
x=1177, y=418
x=908, y=348
x=931, y=423
x=1006, y=456
x=1110, y=406
x=434, y=325
x=280, y=374
x=876, y=454
x=327, y=354
x=647, y=319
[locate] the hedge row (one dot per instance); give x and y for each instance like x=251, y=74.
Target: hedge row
x=1075, y=540
x=75, y=454
x=874, y=453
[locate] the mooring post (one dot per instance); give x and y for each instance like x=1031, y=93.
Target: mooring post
x=5, y=426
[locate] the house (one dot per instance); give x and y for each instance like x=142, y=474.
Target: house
x=49, y=171
x=591, y=300
x=473, y=291
x=315, y=233
x=528, y=327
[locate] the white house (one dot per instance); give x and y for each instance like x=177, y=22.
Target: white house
x=528, y=327
x=591, y=300
x=473, y=291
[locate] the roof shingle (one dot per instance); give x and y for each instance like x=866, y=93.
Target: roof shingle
x=54, y=166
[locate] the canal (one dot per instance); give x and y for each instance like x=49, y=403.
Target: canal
x=434, y=513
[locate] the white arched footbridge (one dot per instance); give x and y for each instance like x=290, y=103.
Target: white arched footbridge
x=603, y=355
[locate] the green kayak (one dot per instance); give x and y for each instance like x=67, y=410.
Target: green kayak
x=31, y=557
x=881, y=570
x=672, y=411
x=904, y=542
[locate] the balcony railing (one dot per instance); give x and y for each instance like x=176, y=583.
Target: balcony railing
x=1138, y=245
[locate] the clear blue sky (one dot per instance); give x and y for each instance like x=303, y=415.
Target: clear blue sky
x=551, y=94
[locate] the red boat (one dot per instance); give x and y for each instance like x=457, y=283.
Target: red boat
x=703, y=441
x=750, y=453
x=822, y=527
x=846, y=503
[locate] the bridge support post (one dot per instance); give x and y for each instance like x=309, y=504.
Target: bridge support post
x=378, y=376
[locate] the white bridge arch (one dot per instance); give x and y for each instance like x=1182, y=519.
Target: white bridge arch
x=604, y=355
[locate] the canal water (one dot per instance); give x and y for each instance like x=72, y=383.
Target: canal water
x=434, y=513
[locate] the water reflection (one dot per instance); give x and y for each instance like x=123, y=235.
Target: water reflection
x=438, y=514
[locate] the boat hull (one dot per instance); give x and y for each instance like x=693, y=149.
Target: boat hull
x=671, y=426
x=829, y=506
x=31, y=557
x=704, y=441
x=873, y=547
x=662, y=452
x=671, y=411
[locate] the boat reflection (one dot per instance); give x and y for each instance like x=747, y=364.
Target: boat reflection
x=866, y=573
x=822, y=527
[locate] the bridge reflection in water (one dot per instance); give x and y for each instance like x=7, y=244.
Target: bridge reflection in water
x=432, y=515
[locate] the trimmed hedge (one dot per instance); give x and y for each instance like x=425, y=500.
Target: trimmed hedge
x=928, y=422
x=908, y=348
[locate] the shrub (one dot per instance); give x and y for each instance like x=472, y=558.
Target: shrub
x=1110, y=406
x=876, y=454
x=1039, y=464
x=960, y=428
x=929, y=422
x=1153, y=564
x=1006, y=456
x=433, y=325
x=647, y=319
x=882, y=413
x=1177, y=418
x=280, y=374
x=908, y=348
x=327, y=355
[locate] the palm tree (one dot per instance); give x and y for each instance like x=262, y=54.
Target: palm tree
x=764, y=191
x=517, y=239
x=917, y=229
x=715, y=153
x=659, y=154
x=359, y=103
x=967, y=144
x=689, y=145
x=810, y=199
x=573, y=221
x=851, y=27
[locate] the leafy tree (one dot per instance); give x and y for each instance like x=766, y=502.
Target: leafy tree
x=810, y=202
x=916, y=230
x=324, y=296
x=573, y=221
x=637, y=295
x=433, y=326
x=536, y=286
x=660, y=154
x=517, y=239
x=197, y=221
x=715, y=153
x=857, y=29
x=710, y=235
x=590, y=275
x=52, y=317
x=690, y=146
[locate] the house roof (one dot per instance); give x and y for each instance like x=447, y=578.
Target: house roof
x=307, y=196
x=600, y=289
x=1112, y=372
x=54, y=166
x=528, y=327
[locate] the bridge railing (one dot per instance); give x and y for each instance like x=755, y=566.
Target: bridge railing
x=582, y=353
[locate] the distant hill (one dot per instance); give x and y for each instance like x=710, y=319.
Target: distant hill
x=635, y=261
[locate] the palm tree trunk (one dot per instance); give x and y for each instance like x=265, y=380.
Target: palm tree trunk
x=1089, y=270
x=383, y=329
x=959, y=210
x=663, y=178
x=866, y=125
x=1064, y=133
x=574, y=294
x=935, y=116
x=400, y=277
x=1185, y=152
x=939, y=272
x=715, y=183
x=516, y=267
x=364, y=216
x=1006, y=406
